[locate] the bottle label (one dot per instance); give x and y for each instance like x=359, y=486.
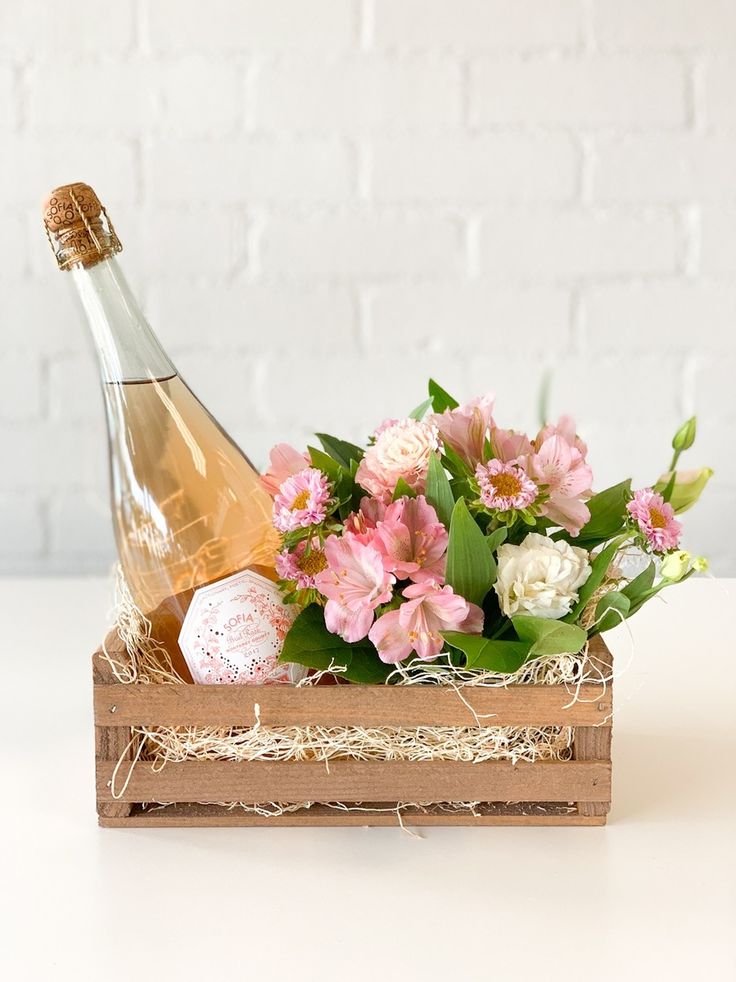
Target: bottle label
x=234, y=630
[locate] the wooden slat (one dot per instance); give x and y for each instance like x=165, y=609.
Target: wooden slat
x=347, y=705
x=593, y=743
x=350, y=780
x=111, y=743
x=600, y=655
x=209, y=816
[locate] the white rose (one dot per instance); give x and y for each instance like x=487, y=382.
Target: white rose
x=401, y=450
x=540, y=577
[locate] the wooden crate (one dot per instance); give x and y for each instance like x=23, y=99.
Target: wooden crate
x=570, y=792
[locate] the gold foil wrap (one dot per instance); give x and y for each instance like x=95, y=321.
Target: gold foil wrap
x=77, y=227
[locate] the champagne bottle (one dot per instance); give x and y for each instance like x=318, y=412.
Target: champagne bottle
x=192, y=522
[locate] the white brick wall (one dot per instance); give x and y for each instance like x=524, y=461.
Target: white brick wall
x=323, y=202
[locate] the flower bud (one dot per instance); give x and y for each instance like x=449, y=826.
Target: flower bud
x=685, y=436
x=700, y=564
x=688, y=487
x=675, y=565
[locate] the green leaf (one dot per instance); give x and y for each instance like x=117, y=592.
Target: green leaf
x=598, y=569
x=441, y=400
x=421, y=410
x=403, y=490
x=325, y=463
x=310, y=643
x=549, y=637
x=456, y=465
x=607, y=515
x=471, y=569
x=669, y=486
x=348, y=493
x=438, y=491
x=638, y=602
x=493, y=656
x=611, y=610
x=340, y=450
x=640, y=585
x=497, y=538
x=461, y=488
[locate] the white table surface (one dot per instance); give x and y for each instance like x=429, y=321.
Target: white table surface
x=649, y=896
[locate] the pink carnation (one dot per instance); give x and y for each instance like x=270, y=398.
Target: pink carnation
x=656, y=519
x=505, y=486
x=418, y=623
x=301, y=564
x=355, y=583
x=301, y=500
x=284, y=461
x=401, y=451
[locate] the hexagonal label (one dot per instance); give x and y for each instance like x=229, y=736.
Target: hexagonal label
x=234, y=631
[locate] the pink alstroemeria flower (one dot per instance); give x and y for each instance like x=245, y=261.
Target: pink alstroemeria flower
x=284, y=461
x=355, y=583
x=564, y=427
x=558, y=461
x=656, y=519
x=362, y=523
x=465, y=428
x=412, y=540
x=508, y=445
x=301, y=501
x=418, y=623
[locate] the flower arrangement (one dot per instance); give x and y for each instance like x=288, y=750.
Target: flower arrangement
x=449, y=535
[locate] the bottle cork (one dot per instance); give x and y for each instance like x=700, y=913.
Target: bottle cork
x=77, y=226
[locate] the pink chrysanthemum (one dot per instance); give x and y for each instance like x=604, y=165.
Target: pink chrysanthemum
x=301, y=501
x=301, y=564
x=284, y=461
x=656, y=519
x=505, y=485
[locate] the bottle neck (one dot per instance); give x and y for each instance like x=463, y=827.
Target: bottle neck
x=127, y=348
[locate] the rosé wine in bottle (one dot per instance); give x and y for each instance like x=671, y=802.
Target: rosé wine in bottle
x=192, y=522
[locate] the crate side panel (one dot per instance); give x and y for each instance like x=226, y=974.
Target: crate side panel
x=348, y=780
x=344, y=705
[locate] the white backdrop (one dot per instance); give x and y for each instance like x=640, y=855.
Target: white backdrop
x=323, y=202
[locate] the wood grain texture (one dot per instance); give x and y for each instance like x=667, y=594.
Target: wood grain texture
x=346, y=705
x=600, y=654
x=592, y=743
x=351, y=780
x=111, y=743
x=584, y=781
x=215, y=816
